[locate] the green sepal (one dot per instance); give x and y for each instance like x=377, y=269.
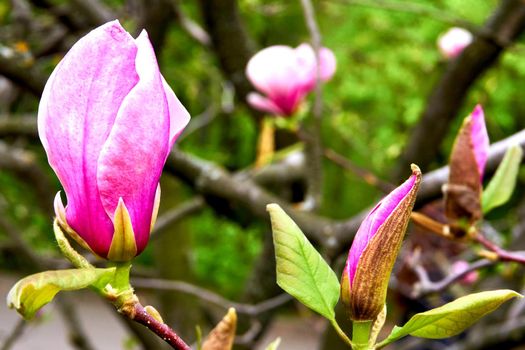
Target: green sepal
x=123, y=246
x=501, y=186
x=452, y=318
x=301, y=271
x=33, y=292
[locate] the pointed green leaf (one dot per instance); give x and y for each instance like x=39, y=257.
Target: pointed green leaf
x=274, y=345
x=33, y=292
x=502, y=184
x=452, y=318
x=301, y=271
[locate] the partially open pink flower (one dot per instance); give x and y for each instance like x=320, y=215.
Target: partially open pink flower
x=374, y=251
x=285, y=76
x=452, y=43
x=480, y=139
x=467, y=167
x=107, y=120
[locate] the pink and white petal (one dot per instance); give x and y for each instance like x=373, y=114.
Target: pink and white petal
x=374, y=220
x=131, y=161
x=78, y=108
x=328, y=64
x=179, y=116
x=306, y=60
x=263, y=104
x=480, y=138
x=306, y=66
x=273, y=70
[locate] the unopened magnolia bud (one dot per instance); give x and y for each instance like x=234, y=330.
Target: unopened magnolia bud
x=374, y=251
x=467, y=164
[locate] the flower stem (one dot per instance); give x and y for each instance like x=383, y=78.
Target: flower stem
x=140, y=315
x=340, y=332
x=361, y=335
x=127, y=303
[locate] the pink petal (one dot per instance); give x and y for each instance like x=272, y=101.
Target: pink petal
x=179, y=116
x=454, y=41
x=307, y=63
x=273, y=71
x=372, y=222
x=75, y=116
x=480, y=138
x=263, y=104
x=131, y=161
x=328, y=64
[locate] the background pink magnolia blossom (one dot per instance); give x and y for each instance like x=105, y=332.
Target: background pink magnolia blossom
x=461, y=266
x=107, y=120
x=285, y=76
x=452, y=43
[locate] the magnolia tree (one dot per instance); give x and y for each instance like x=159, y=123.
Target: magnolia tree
x=108, y=120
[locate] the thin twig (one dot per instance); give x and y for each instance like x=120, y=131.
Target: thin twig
x=502, y=254
x=141, y=316
x=173, y=215
x=313, y=140
x=363, y=173
x=414, y=8
x=194, y=30
x=426, y=286
x=211, y=297
x=14, y=335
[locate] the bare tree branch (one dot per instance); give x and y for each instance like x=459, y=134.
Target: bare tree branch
x=176, y=214
x=211, y=297
x=22, y=74
x=312, y=125
x=193, y=29
x=15, y=334
x=230, y=40
x=23, y=163
x=501, y=30
x=240, y=191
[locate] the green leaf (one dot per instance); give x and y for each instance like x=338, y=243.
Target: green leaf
x=301, y=271
x=502, y=184
x=274, y=345
x=452, y=318
x=33, y=292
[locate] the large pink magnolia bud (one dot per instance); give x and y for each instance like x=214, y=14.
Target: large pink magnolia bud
x=374, y=250
x=286, y=75
x=107, y=120
x=454, y=41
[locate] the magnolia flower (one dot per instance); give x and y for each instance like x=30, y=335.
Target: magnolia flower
x=107, y=120
x=452, y=43
x=286, y=75
x=461, y=266
x=467, y=167
x=374, y=251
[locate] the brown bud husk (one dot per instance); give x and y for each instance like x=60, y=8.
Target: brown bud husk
x=222, y=336
x=370, y=284
x=463, y=191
